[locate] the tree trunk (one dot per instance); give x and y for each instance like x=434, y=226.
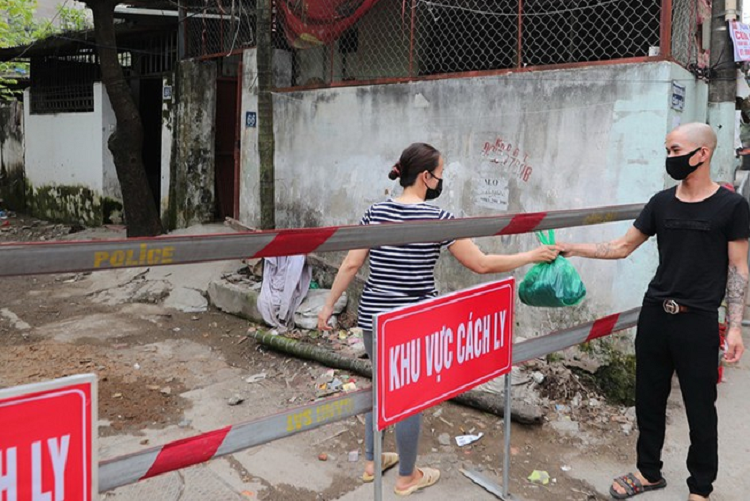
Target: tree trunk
x=126, y=142
x=266, y=144
x=521, y=412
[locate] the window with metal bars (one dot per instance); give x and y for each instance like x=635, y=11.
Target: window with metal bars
x=63, y=84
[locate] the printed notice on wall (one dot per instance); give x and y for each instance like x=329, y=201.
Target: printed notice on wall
x=491, y=189
x=741, y=39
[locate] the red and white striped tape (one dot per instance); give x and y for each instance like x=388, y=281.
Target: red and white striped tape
x=59, y=257
x=173, y=456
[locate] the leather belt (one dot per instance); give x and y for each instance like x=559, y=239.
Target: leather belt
x=673, y=308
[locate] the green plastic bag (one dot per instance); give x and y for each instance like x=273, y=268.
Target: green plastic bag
x=552, y=284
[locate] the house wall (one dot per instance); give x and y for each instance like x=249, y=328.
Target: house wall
x=12, y=183
x=65, y=162
x=167, y=125
x=110, y=182
x=191, y=198
x=249, y=155
x=583, y=137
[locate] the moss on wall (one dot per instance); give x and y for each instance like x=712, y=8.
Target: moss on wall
x=112, y=212
x=13, y=188
x=66, y=204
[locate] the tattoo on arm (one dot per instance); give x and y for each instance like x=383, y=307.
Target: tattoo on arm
x=603, y=250
x=736, y=288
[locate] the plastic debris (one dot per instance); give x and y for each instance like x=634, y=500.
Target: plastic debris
x=349, y=387
x=235, y=400
x=256, y=378
x=463, y=440
x=322, y=456
x=539, y=477
x=565, y=468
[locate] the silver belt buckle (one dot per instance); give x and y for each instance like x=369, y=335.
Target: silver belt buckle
x=671, y=306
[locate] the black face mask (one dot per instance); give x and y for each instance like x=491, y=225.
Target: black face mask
x=433, y=194
x=679, y=167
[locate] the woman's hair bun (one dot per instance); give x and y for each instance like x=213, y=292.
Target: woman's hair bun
x=395, y=171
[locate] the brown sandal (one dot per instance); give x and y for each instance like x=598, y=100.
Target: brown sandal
x=390, y=459
x=633, y=486
x=429, y=477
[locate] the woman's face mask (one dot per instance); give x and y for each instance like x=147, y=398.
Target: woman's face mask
x=433, y=193
x=679, y=167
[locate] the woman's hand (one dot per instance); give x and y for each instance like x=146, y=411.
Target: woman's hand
x=323, y=317
x=544, y=254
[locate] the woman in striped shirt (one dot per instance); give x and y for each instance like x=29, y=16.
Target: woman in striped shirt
x=404, y=274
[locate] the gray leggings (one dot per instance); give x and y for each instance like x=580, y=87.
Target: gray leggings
x=407, y=431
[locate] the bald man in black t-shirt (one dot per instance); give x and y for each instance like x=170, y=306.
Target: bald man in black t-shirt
x=702, y=232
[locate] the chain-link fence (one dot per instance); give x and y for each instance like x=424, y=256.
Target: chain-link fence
x=689, y=20
x=339, y=40
x=362, y=40
x=216, y=27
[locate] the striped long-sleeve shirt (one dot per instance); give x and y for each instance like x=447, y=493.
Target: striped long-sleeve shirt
x=399, y=274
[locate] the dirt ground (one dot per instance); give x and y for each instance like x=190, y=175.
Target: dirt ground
x=138, y=390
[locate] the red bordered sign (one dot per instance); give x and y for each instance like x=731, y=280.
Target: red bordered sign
x=48, y=440
x=434, y=350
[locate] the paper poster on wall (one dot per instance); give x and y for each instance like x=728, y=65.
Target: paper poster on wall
x=678, y=96
x=491, y=192
x=740, y=33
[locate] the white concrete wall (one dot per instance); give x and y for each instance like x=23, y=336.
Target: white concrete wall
x=110, y=181
x=166, y=145
x=65, y=148
x=577, y=138
x=249, y=155
x=11, y=135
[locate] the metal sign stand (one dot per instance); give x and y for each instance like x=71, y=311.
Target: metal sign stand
x=501, y=492
x=376, y=433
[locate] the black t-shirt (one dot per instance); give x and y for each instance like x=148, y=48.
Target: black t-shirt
x=693, y=245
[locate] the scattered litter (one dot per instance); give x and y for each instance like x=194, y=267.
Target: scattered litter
x=248, y=494
x=322, y=456
x=329, y=383
x=538, y=377
x=565, y=468
x=437, y=413
x=446, y=422
x=144, y=441
x=256, y=377
x=235, y=400
x=117, y=395
x=539, y=477
x=137, y=366
x=153, y=387
x=176, y=329
x=166, y=390
x=353, y=456
x=338, y=433
x=514, y=451
x=195, y=317
x=444, y=439
x=462, y=440
x=185, y=423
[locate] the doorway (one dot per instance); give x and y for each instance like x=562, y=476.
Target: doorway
x=227, y=147
x=149, y=106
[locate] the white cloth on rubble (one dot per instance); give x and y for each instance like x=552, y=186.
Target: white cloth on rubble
x=286, y=280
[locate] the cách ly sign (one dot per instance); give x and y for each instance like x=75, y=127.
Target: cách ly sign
x=48, y=441
x=434, y=350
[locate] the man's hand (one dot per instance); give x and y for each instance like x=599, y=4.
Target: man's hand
x=735, y=346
